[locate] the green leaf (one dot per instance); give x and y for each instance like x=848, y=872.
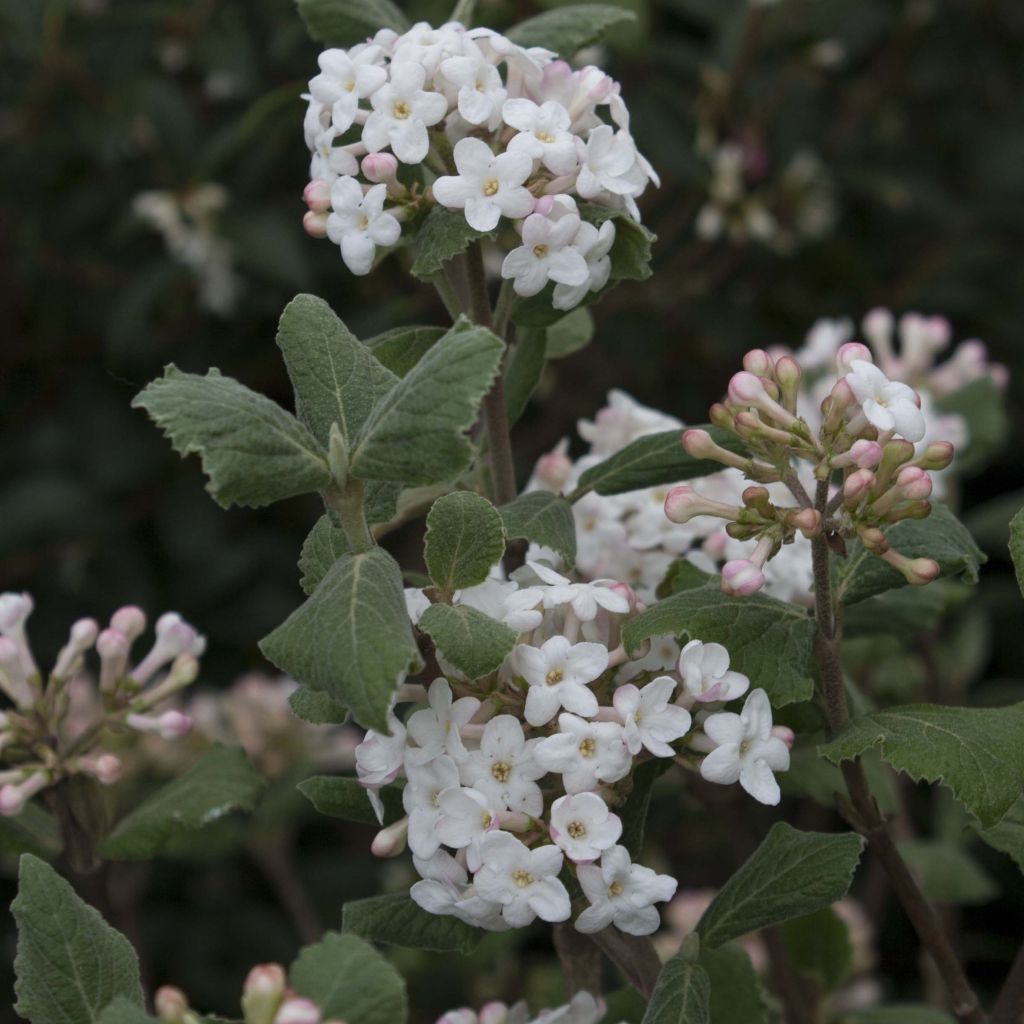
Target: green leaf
x=352, y=638
x=348, y=979
x=345, y=798
x=253, y=452
x=976, y=752
x=316, y=708
x=465, y=537
x=907, y=612
x=819, y=944
x=941, y=537
x=768, y=640
x=1017, y=546
x=569, y=28
x=789, y=875
x=542, y=518
x=634, y=812
x=124, y=1011
x=70, y=963
x=33, y=831
x=401, y=348
x=443, y=234
x=1008, y=835
x=335, y=376
x=903, y=1013
x=415, y=432
x=682, y=994
x=343, y=22
x=736, y=996
x=323, y=546
x=473, y=642
x=523, y=373
x=220, y=782
x=652, y=461
x=947, y=873
x=570, y=334
x=397, y=920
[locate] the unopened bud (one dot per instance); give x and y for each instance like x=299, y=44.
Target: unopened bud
x=298, y=1011
x=379, y=167
x=317, y=195
x=130, y=621
x=683, y=503
x=920, y=509
x=759, y=498
x=741, y=578
x=914, y=483
x=916, y=571
x=758, y=362
x=877, y=326
x=15, y=795
x=554, y=469
x=936, y=456
x=390, y=841
x=171, y=1005
x=315, y=224
x=788, y=374
x=806, y=520
x=628, y=593
x=784, y=733
x=263, y=992
x=863, y=453
x=857, y=485
x=874, y=540
x=746, y=389
x=720, y=416
x=849, y=353
x=112, y=646
x=106, y=768
x=171, y=725
x=83, y=636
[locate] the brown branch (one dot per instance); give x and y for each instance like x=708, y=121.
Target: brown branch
x=635, y=957
x=1009, y=1008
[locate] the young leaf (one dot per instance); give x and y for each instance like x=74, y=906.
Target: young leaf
x=349, y=980
x=465, y=537
x=523, y=373
x=976, y=752
x=1008, y=835
x=682, y=994
x=947, y=873
x=652, y=461
x=542, y=518
x=473, y=642
x=941, y=536
x=124, y=1011
x=569, y=28
x=768, y=640
x=736, y=996
x=415, y=432
x=220, y=782
x=253, y=452
x=343, y=22
x=789, y=875
x=819, y=944
x=316, y=708
x=70, y=964
x=397, y=920
x=443, y=234
x=335, y=376
x=351, y=638
x=323, y=546
x=570, y=334
x=34, y=830
x=1017, y=546
x=345, y=798
x=401, y=348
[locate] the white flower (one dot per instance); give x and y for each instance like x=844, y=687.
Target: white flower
x=466, y=816
x=328, y=161
x=427, y=46
x=525, y=882
x=606, y=160
x=402, y=113
x=504, y=768
x=621, y=422
x=583, y=1009
x=379, y=759
x=649, y=719
x=480, y=89
x=583, y=827
x=557, y=674
x=746, y=750
x=421, y=799
x=345, y=78
x=594, y=244
x=584, y=598
x=585, y=753
x=887, y=404
x=623, y=894
x=547, y=254
x=543, y=133
x=436, y=729
x=487, y=186
x=505, y=601
x=706, y=674
x=359, y=224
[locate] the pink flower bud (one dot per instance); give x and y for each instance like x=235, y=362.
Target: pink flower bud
x=698, y=443
x=317, y=195
x=681, y=502
x=462, y=1016
x=807, y=521
x=493, y=1013
x=544, y=205
x=914, y=483
x=106, y=768
x=857, y=485
x=758, y=362
x=916, y=571
x=14, y=610
x=849, y=353
x=746, y=389
x=170, y=1004
x=265, y=980
x=15, y=795
x=390, y=841
x=866, y=454
x=315, y=224
x=936, y=456
x=171, y=725
x=784, y=733
x=379, y=167
x=788, y=373
x=877, y=326
x=130, y=621
x=741, y=578
x=554, y=469
x=298, y=1011
x=628, y=593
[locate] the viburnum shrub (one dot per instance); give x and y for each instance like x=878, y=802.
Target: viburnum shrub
x=642, y=612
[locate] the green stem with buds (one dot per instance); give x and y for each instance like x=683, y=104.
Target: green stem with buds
x=347, y=503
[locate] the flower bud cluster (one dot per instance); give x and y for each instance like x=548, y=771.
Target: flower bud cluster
x=493, y=129
x=583, y=1008
x=59, y=722
x=266, y=999
x=512, y=778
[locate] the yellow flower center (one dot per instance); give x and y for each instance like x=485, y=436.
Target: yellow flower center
x=615, y=889
x=486, y=819
x=491, y=187
x=588, y=747
x=523, y=878
x=363, y=222
x=402, y=110
x=501, y=770
x=545, y=136
x=744, y=747
x=540, y=251
x=554, y=677
x=435, y=798
x=576, y=829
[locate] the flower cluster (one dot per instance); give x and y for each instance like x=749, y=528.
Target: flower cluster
x=514, y=778
x=493, y=129
x=59, y=722
x=583, y=1008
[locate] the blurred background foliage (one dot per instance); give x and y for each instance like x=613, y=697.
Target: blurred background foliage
x=880, y=146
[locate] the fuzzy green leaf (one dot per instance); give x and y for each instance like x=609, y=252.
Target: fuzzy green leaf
x=947, y=873
x=349, y=980
x=415, y=433
x=401, y=348
x=316, y=708
x=465, y=537
x=335, y=376
x=323, y=546
x=341, y=797
x=1008, y=835
x=523, y=373
x=976, y=752
x=941, y=536
x=789, y=875
x=33, y=831
x=1017, y=546
x=570, y=334
x=473, y=642
x=682, y=994
x=70, y=964
x=542, y=518
x=819, y=945
x=443, y=234
x=344, y=22
x=569, y=28
x=736, y=996
x=351, y=638
x=124, y=1011
x=253, y=452
x=220, y=782
x=768, y=640
x=397, y=920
